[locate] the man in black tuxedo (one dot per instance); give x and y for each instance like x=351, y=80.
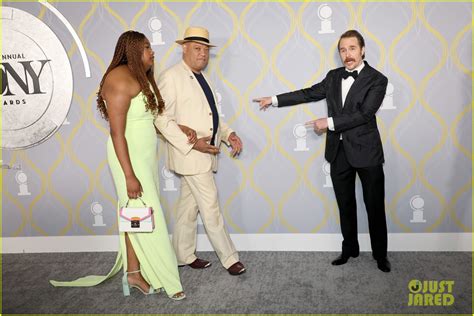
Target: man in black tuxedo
x=353, y=94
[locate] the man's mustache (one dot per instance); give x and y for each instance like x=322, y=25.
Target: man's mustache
x=348, y=60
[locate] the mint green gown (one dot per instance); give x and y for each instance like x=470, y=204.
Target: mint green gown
x=154, y=251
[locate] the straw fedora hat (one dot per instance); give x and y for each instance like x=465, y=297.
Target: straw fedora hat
x=196, y=34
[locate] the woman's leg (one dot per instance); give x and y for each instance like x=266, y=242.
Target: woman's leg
x=134, y=265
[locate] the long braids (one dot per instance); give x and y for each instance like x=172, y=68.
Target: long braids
x=128, y=51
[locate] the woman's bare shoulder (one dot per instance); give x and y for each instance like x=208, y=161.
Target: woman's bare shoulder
x=117, y=80
x=120, y=80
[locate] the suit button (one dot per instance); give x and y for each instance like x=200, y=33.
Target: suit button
x=210, y=129
x=210, y=113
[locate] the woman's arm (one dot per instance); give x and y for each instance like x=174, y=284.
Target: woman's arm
x=118, y=100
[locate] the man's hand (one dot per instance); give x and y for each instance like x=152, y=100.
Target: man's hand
x=192, y=136
x=236, y=144
x=202, y=146
x=320, y=125
x=264, y=102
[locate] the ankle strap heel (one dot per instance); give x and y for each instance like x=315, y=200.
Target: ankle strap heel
x=125, y=286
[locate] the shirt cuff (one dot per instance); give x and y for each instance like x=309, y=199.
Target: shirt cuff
x=274, y=101
x=330, y=124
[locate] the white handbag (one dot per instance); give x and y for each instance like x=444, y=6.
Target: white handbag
x=136, y=219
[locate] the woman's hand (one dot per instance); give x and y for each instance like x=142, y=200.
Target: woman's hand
x=134, y=188
x=192, y=136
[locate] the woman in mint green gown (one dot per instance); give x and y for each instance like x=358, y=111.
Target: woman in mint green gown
x=129, y=99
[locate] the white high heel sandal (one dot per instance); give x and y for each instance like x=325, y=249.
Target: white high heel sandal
x=126, y=286
x=178, y=296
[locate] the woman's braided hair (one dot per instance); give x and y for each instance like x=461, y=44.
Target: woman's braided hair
x=129, y=51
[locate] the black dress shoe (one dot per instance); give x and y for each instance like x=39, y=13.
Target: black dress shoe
x=342, y=259
x=236, y=269
x=384, y=265
x=199, y=264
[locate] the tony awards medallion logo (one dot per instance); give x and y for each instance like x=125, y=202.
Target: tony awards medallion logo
x=168, y=176
x=37, y=80
x=299, y=131
x=154, y=24
x=324, y=14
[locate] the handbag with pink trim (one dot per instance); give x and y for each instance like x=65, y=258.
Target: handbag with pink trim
x=136, y=219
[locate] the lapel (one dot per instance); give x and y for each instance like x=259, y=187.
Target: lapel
x=214, y=97
x=194, y=83
x=338, y=92
x=210, y=86
x=358, y=83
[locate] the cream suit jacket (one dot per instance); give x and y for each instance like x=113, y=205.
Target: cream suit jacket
x=186, y=104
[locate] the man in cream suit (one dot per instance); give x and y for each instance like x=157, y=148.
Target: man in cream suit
x=193, y=130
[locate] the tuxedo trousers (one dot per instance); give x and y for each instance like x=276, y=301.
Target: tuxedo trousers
x=199, y=194
x=343, y=177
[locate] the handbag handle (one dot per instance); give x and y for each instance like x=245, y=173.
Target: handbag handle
x=126, y=205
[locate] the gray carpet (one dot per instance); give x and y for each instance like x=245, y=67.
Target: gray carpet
x=275, y=283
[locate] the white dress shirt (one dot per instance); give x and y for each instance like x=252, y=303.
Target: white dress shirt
x=346, y=85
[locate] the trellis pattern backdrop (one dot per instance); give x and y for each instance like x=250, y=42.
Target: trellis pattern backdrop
x=280, y=184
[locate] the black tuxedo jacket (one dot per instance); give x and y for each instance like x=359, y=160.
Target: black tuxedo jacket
x=355, y=120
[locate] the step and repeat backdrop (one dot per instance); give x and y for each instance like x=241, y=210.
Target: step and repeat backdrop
x=56, y=180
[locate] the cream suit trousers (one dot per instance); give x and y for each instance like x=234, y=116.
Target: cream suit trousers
x=199, y=193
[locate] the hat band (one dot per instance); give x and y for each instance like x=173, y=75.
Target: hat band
x=196, y=38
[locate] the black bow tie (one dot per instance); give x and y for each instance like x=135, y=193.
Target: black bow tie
x=346, y=74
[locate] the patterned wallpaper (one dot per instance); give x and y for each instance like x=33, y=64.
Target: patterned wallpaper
x=280, y=184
